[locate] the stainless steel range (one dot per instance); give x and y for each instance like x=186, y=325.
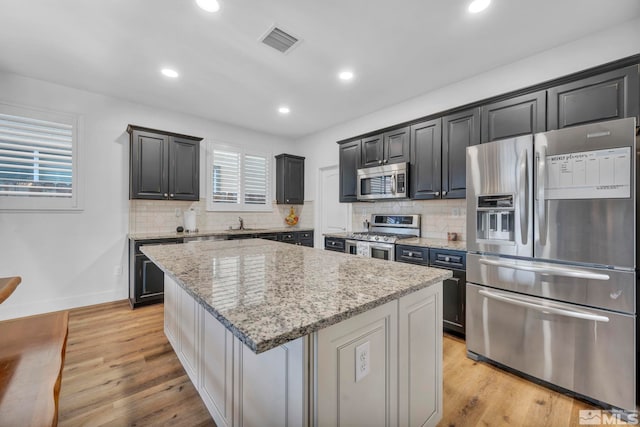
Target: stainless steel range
x=384, y=231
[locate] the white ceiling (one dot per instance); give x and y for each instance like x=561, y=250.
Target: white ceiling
x=398, y=49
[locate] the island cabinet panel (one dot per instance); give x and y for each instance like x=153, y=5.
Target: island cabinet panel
x=171, y=311
x=420, y=358
x=216, y=373
x=271, y=386
x=340, y=353
x=188, y=324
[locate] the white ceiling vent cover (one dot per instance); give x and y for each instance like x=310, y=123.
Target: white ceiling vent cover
x=279, y=39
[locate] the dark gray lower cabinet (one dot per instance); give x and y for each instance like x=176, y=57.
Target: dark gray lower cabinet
x=301, y=238
x=335, y=244
x=146, y=280
x=453, y=289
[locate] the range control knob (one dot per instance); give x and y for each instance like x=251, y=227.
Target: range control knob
x=376, y=238
x=386, y=239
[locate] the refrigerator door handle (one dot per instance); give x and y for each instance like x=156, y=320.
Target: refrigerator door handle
x=542, y=205
x=524, y=197
x=552, y=271
x=527, y=303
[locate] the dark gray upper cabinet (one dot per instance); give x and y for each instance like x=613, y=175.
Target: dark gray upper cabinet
x=184, y=164
x=459, y=131
x=372, y=151
x=349, y=157
x=426, y=160
x=289, y=179
x=607, y=96
x=397, y=146
x=513, y=117
x=386, y=148
x=163, y=165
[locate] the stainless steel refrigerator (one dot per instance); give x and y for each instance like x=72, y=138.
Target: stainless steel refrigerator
x=551, y=269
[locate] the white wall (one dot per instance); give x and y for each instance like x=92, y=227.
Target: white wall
x=68, y=259
x=321, y=150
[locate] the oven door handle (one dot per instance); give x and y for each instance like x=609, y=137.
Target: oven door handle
x=524, y=302
x=552, y=271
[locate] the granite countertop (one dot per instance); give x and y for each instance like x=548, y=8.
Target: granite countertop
x=268, y=293
x=457, y=245
x=221, y=233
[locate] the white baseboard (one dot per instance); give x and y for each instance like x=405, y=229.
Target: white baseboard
x=12, y=311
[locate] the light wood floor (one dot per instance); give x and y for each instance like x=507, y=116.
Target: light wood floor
x=121, y=371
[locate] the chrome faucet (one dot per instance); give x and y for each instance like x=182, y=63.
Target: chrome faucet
x=241, y=223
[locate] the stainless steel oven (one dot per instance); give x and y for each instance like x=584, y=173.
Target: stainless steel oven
x=382, y=232
x=383, y=182
x=384, y=251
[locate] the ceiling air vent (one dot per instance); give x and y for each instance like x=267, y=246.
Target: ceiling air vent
x=279, y=40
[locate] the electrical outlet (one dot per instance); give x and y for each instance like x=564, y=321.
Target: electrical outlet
x=117, y=270
x=455, y=211
x=363, y=361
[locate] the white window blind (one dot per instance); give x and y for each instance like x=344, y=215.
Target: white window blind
x=37, y=160
x=239, y=180
x=226, y=177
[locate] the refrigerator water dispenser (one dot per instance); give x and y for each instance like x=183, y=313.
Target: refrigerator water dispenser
x=496, y=218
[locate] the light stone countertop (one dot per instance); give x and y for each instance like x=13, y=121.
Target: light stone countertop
x=221, y=233
x=269, y=293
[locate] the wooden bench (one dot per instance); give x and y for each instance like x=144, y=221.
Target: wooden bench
x=32, y=353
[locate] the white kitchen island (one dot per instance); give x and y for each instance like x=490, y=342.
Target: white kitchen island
x=273, y=334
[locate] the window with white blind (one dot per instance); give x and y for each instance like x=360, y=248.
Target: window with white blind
x=38, y=159
x=237, y=180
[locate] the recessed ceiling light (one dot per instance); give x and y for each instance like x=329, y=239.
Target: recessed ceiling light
x=478, y=5
x=345, y=75
x=284, y=110
x=209, y=5
x=170, y=73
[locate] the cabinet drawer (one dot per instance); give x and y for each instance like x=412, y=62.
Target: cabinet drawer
x=446, y=258
x=305, y=235
x=412, y=254
x=287, y=237
x=334, y=244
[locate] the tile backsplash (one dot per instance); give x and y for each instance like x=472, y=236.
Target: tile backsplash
x=438, y=217
x=160, y=216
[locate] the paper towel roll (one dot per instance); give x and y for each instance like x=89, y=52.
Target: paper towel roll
x=190, y=220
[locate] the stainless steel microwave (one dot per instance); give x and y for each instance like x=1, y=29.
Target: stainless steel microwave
x=383, y=182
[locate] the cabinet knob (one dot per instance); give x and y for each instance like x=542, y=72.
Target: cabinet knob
x=287, y=200
x=386, y=160
x=379, y=162
x=444, y=193
x=171, y=195
x=166, y=195
x=437, y=193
